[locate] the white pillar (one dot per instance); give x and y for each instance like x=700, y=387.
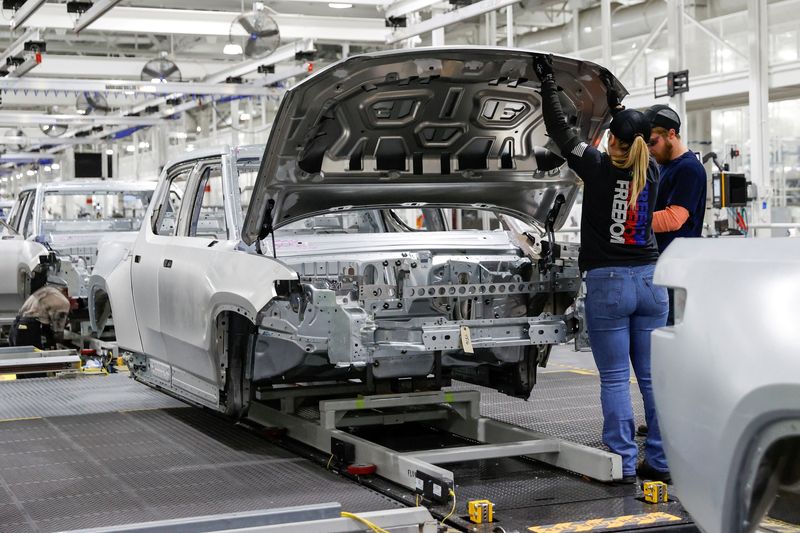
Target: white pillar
x=437, y=37
x=491, y=28
x=234, y=123
x=759, y=109
x=576, y=31
x=345, y=50
x=677, y=56
x=510, y=26
x=605, y=29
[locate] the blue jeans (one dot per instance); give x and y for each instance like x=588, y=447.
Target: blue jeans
x=622, y=308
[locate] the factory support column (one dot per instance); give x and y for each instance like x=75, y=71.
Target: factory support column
x=759, y=110
x=677, y=56
x=510, y=26
x=437, y=37
x=605, y=32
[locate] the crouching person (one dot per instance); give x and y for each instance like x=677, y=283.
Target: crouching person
x=41, y=319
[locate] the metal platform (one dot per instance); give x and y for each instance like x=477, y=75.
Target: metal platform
x=128, y=466
x=111, y=451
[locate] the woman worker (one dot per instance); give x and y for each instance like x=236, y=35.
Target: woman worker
x=618, y=254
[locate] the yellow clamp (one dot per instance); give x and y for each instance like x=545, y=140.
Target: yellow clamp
x=655, y=492
x=480, y=511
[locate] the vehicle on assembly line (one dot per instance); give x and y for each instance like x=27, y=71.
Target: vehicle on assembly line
x=55, y=228
x=726, y=379
x=5, y=208
x=338, y=260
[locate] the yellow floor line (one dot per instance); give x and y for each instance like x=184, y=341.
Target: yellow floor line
x=22, y=418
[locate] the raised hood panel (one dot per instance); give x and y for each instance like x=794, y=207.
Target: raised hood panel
x=448, y=127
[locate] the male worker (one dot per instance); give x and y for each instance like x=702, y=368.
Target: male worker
x=44, y=314
x=681, y=200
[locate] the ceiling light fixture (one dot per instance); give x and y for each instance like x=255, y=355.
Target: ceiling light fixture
x=232, y=49
x=55, y=166
x=339, y=5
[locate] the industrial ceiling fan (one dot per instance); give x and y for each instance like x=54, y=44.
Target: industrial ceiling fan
x=92, y=103
x=161, y=69
x=263, y=36
x=53, y=129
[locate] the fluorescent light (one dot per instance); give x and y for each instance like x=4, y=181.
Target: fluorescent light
x=30, y=173
x=180, y=135
x=232, y=49
x=199, y=129
x=55, y=166
x=47, y=168
x=148, y=89
x=189, y=147
x=339, y=5
x=244, y=117
x=144, y=145
x=130, y=148
x=109, y=152
x=587, y=29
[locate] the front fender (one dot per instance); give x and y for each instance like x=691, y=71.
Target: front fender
x=103, y=294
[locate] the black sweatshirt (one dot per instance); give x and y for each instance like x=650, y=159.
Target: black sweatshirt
x=612, y=234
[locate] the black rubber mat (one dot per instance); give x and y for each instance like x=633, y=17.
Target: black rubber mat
x=82, y=471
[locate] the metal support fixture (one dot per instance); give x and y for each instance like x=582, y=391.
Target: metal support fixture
x=576, y=30
x=97, y=10
x=282, y=53
x=510, y=26
x=649, y=41
x=399, y=8
x=27, y=359
x=605, y=32
x=759, y=109
x=24, y=13
x=18, y=45
x=454, y=411
x=446, y=19
x=702, y=27
x=677, y=56
x=321, y=518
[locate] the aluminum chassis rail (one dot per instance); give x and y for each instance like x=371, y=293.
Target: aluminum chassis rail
x=457, y=412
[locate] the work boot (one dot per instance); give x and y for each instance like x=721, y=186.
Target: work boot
x=641, y=431
x=648, y=473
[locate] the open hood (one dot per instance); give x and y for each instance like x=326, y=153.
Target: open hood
x=445, y=127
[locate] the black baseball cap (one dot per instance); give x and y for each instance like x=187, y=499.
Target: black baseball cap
x=663, y=116
x=628, y=123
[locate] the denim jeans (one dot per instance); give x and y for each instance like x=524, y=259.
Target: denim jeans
x=622, y=308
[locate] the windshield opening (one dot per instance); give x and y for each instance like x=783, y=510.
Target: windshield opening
x=94, y=212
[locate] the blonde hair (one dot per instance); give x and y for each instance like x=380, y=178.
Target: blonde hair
x=636, y=157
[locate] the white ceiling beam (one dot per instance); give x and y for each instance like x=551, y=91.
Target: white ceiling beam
x=97, y=10
x=24, y=13
x=282, y=53
x=398, y=8
x=44, y=141
x=71, y=66
x=446, y=19
x=129, y=87
x=195, y=22
x=15, y=118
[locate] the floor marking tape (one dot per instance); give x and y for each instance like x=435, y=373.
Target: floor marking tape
x=777, y=526
x=21, y=418
x=605, y=524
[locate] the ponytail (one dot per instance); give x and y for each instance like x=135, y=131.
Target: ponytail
x=636, y=158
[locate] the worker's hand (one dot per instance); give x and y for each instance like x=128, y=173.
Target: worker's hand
x=613, y=99
x=543, y=65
